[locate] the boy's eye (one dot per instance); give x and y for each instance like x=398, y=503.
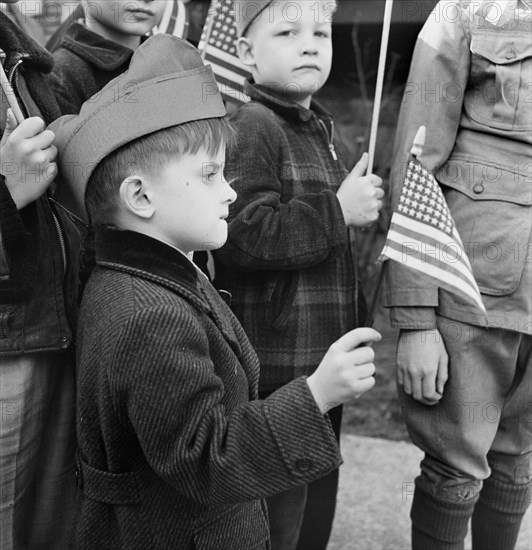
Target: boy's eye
x=209, y=172
x=288, y=32
x=322, y=34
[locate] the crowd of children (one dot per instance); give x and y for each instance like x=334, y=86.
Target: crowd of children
x=140, y=410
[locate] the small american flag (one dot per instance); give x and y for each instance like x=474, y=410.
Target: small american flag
x=218, y=47
x=423, y=236
x=174, y=20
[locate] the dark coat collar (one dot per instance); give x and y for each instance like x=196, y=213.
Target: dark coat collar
x=155, y=261
x=13, y=41
x=149, y=259
x=281, y=105
x=104, y=54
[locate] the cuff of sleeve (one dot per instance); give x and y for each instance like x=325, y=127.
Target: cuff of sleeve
x=413, y=318
x=303, y=434
x=337, y=220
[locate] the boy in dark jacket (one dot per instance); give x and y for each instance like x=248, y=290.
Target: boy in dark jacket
x=290, y=259
x=98, y=49
x=172, y=453
x=39, y=249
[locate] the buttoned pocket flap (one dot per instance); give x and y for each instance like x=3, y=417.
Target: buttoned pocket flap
x=492, y=215
x=515, y=47
x=482, y=181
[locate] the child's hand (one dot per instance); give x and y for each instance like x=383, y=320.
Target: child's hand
x=360, y=196
x=346, y=371
x=422, y=365
x=27, y=159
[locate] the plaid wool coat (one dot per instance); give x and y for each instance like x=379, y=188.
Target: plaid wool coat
x=172, y=453
x=290, y=261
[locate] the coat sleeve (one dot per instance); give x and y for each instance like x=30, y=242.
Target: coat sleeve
x=169, y=393
x=265, y=232
x=433, y=97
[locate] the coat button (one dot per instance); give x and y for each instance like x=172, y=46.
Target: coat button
x=303, y=464
x=478, y=188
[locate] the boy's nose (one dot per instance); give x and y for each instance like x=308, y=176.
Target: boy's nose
x=231, y=194
x=310, y=47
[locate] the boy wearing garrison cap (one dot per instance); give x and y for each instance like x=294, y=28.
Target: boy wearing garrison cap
x=290, y=257
x=172, y=452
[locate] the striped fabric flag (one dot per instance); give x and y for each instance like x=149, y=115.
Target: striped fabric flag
x=174, y=20
x=218, y=47
x=423, y=236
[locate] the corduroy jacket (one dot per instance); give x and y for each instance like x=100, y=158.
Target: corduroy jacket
x=40, y=244
x=174, y=452
x=290, y=261
x=84, y=63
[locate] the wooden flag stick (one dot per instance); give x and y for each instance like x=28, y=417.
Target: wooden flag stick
x=419, y=142
x=380, y=83
x=10, y=95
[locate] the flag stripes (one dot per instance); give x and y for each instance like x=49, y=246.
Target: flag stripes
x=423, y=236
x=218, y=47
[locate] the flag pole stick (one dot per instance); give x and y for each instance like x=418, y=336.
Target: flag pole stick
x=10, y=95
x=380, y=83
x=208, y=31
x=417, y=149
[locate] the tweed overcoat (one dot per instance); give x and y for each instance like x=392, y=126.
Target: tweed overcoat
x=173, y=451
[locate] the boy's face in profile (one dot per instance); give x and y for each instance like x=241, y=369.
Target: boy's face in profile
x=130, y=17
x=191, y=201
x=289, y=47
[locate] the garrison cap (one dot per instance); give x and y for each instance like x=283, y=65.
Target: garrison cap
x=248, y=11
x=166, y=84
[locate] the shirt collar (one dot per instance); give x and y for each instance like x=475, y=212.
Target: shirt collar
x=104, y=54
x=284, y=106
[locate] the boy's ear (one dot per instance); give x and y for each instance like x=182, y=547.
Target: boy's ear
x=136, y=197
x=244, y=48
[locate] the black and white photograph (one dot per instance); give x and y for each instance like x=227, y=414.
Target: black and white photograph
x=265, y=274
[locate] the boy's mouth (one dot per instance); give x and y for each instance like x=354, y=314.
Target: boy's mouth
x=141, y=11
x=308, y=67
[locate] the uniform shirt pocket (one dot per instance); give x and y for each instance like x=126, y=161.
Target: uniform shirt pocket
x=499, y=94
x=491, y=209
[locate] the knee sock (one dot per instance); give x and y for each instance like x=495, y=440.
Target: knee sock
x=498, y=515
x=439, y=524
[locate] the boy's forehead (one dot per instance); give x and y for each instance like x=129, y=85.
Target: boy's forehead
x=255, y=13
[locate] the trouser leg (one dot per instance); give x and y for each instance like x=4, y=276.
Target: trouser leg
x=285, y=512
x=458, y=433
x=321, y=502
x=506, y=494
x=37, y=442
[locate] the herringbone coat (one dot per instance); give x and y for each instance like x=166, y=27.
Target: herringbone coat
x=172, y=453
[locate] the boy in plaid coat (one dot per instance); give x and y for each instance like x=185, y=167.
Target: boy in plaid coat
x=290, y=259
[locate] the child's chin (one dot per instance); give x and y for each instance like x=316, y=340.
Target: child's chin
x=215, y=246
